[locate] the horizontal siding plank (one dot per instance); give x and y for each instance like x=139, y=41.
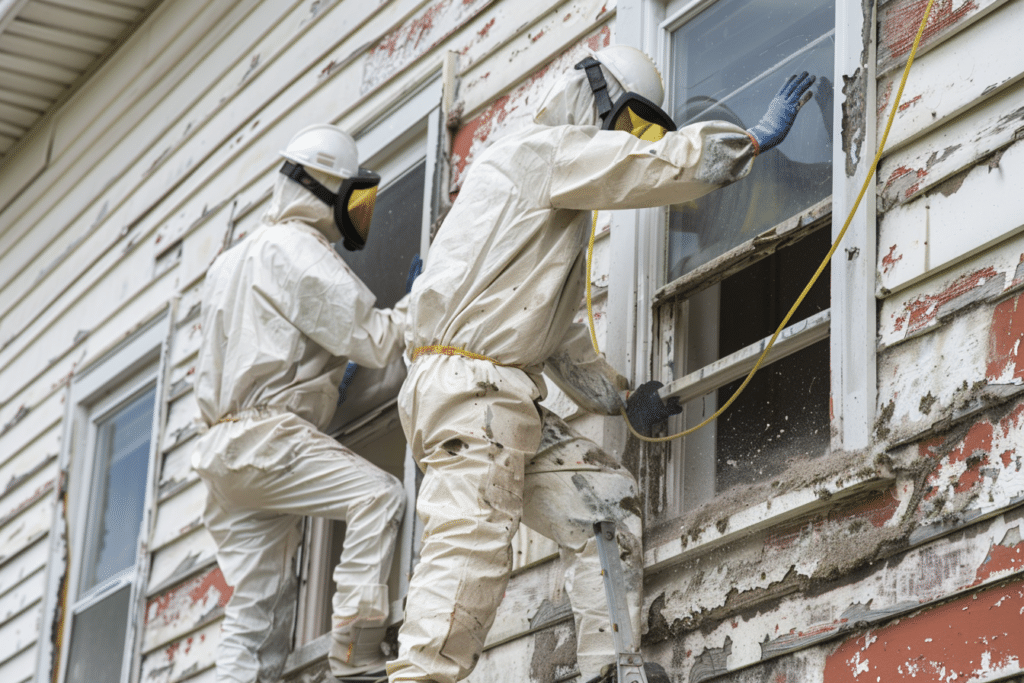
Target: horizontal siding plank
x=903, y=584
x=184, y=608
x=530, y=45
x=182, y=557
x=29, y=426
x=25, y=529
x=898, y=23
x=24, y=564
x=37, y=69
x=533, y=599
x=18, y=634
x=25, y=494
x=956, y=75
x=182, y=415
x=184, y=658
x=928, y=304
x=956, y=146
x=177, y=471
x=26, y=458
x=926, y=235
x=20, y=668
x=178, y=515
x=22, y=596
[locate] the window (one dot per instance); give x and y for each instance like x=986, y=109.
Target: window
x=115, y=410
x=738, y=258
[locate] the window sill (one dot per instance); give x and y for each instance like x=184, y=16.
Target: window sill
x=794, y=338
x=685, y=539
x=739, y=257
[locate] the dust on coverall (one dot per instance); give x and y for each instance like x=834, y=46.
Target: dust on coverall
x=282, y=316
x=504, y=279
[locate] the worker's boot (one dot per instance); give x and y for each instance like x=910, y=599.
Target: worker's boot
x=655, y=674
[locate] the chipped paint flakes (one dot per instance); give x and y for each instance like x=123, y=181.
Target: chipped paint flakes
x=514, y=111
x=922, y=310
x=974, y=637
x=414, y=38
x=1005, y=360
x=898, y=24
x=184, y=607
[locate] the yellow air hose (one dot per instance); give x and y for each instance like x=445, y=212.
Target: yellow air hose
x=814, y=278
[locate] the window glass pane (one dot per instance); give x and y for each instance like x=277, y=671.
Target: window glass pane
x=119, y=490
x=394, y=238
x=97, y=640
x=728, y=63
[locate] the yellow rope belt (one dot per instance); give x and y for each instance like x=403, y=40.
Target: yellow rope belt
x=439, y=350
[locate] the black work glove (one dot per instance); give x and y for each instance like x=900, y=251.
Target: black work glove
x=646, y=409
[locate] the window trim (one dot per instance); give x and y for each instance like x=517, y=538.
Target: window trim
x=117, y=375
x=636, y=293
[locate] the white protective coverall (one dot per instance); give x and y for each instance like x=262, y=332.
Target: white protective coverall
x=282, y=316
x=504, y=279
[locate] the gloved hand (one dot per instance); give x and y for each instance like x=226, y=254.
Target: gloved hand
x=350, y=372
x=771, y=130
x=415, y=268
x=646, y=409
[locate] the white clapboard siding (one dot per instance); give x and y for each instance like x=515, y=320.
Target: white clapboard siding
x=927, y=235
x=954, y=75
x=183, y=608
x=183, y=658
x=178, y=515
x=20, y=668
x=23, y=565
x=961, y=142
x=187, y=554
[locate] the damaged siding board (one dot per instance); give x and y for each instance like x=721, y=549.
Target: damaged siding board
x=926, y=235
x=549, y=655
x=186, y=555
x=534, y=599
x=18, y=634
x=23, y=565
x=25, y=529
x=954, y=148
x=938, y=379
x=898, y=23
x=514, y=110
x=184, y=608
x=926, y=306
x=546, y=32
x=695, y=613
x=177, y=472
x=954, y=76
x=178, y=515
x=182, y=659
x=976, y=637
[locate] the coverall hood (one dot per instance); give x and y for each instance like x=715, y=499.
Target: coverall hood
x=571, y=101
x=293, y=202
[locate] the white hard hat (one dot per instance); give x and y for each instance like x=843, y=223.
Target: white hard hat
x=634, y=71
x=325, y=148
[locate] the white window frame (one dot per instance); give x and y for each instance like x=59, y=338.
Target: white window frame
x=118, y=376
x=638, y=261
x=410, y=132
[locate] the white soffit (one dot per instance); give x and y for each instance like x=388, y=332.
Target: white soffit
x=45, y=48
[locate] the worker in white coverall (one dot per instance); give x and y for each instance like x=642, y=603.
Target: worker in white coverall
x=282, y=316
x=504, y=279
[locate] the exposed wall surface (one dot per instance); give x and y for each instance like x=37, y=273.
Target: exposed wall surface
x=164, y=158
x=900, y=561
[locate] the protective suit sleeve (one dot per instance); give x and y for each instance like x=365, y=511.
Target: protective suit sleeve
x=586, y=377
x=596, y=169
x=335, y=309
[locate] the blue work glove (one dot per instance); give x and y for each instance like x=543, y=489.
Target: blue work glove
x=646, y=409
x=350, y=372
x=771, y=130
x=415, y=268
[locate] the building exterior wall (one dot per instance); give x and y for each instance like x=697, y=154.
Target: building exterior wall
x=906, y=538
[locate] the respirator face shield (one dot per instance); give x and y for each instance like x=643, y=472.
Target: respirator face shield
x=353, y=203
x=632, y=112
